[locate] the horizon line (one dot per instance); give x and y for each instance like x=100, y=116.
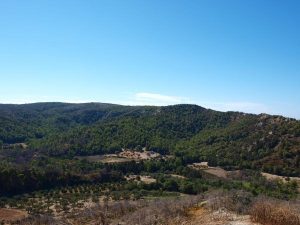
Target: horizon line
x=145, y=105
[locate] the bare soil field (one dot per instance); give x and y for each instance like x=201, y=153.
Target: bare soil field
x=178, y=176
x=111, y=158
x=216, y=171
x=139, y=155
x=284, y=179
x=114, y=160
x=12, y=215
x=145, y=179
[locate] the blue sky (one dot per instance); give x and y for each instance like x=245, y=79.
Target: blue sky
x=225, y=55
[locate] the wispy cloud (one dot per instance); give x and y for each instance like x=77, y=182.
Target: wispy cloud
x=145, y=98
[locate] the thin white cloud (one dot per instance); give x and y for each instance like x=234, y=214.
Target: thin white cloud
x=145, y=98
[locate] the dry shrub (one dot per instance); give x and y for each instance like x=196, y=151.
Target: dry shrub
x=141, y=212
x=162, y=211
x=39, y=220
x=105, y=213
x=233, y=201
x=275, y=212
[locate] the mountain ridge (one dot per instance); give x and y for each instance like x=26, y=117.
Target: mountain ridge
x=228, y=139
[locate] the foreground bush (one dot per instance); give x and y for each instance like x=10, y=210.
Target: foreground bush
x=271, y=212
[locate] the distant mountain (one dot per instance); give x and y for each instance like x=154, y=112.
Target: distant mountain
x=228, y=139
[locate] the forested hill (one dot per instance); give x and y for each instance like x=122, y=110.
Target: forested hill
x=21, y=123
x=231, y=139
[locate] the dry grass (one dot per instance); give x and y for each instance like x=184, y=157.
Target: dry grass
x=142, y=212
x=273, y=212
x=39, y=220
x=234, y=201
x=213, y=208
x=167, y=211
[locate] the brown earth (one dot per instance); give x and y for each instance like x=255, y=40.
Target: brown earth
x=216, y=171
x=12, y=215
x=282, y=178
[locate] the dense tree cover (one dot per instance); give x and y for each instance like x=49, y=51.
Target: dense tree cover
x=271, y=144
x=46, y=173
x=20, y=123
x=232, y=140
x=159, y=131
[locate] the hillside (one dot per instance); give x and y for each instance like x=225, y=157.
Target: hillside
x=21, y=123
x=231, y=140
x=71, y=163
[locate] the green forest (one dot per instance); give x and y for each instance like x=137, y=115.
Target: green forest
x=230, y=140
x=43, y=148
